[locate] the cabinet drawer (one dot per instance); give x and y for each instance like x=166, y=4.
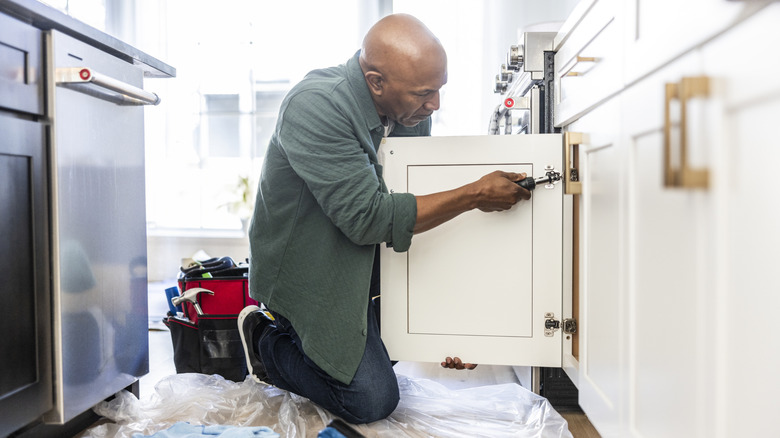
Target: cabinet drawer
x=588, y=64
x=662, y=30
x=21, y=66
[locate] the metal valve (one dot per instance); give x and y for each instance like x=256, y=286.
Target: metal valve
x=550, y=178
x=501, y=86
x=505, y=74
x=514, y=59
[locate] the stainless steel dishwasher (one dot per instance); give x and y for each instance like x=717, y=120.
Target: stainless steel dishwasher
x=99, y=281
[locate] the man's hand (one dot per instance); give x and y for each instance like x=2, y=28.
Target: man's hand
x=457, y=364
x=499, y=191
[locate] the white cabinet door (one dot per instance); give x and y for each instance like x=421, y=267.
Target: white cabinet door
x=479, y=286
x=748, y=222
x=671, y=254
x=602, y=379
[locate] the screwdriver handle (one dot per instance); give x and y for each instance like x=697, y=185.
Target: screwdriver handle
x=527, y=183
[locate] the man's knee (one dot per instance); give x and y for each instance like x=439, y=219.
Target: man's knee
x=373, y=404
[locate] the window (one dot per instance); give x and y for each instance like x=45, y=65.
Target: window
x=235, y=62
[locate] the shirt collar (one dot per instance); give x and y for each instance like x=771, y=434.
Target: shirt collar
x=358, y=84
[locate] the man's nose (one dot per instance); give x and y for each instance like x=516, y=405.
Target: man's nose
x=433, y=103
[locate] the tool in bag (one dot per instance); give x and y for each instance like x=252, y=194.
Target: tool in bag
x=204, y=335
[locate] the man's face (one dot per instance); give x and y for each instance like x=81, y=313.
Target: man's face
x=411, y=96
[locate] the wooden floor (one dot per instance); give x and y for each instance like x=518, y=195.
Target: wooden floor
x=579, y=426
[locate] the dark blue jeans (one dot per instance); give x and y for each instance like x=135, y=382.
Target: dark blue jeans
x=373, y=393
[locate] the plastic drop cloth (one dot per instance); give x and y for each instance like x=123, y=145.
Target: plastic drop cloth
x=426, y=409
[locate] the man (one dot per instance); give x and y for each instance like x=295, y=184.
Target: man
x=322, y=210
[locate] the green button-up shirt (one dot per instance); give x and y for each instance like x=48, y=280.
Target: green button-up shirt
x=321, y=209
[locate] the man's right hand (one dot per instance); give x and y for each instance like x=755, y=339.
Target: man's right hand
x=499, y=191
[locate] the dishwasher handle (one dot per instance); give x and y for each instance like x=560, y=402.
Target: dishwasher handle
x=84, y=75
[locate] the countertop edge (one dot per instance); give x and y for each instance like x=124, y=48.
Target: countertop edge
x=46, y=18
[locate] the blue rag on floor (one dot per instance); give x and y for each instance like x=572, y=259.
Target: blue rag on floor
x=187, y=430
x=330, y=432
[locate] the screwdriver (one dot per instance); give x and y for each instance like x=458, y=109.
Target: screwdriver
x=529, y=183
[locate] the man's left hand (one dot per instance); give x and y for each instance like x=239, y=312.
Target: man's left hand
x=457, y=364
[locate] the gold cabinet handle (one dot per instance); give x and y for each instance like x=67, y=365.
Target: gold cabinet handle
x=571, y=182
x=567, y=70
x=683, y=176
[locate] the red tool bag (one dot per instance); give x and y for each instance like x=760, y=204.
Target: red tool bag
x=210, y=343
x=231, y=295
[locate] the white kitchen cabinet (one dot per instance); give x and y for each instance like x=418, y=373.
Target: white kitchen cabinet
x=670, y=262
x=483, y=285
x=682, y=252
x=746, y=295
x=676, y=255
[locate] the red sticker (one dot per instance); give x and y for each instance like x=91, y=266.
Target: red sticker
x=85, y=73
x=509, y=102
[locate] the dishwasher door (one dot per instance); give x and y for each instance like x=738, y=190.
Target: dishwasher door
x=99, y=282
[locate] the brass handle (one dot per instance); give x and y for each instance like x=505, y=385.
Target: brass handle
x=571, y=183
x=567, y=70
x=683, y=176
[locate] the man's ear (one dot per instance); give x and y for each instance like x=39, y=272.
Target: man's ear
x=375, y=81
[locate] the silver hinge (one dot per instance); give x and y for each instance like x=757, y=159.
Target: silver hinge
x=570, y=326
x=550, y=324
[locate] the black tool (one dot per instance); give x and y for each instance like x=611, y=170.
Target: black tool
x=550, y=177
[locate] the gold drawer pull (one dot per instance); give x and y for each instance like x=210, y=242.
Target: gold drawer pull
x=683, y=176
x=577, y=59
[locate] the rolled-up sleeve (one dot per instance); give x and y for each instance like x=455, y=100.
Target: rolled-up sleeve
x=404, y=218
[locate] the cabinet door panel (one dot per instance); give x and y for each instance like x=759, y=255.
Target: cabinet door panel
x=602, y=301
x=25, y=382
x=665, y=242
x=439, y=253
x=747, y=218
x=670, y=244
x=479, y=285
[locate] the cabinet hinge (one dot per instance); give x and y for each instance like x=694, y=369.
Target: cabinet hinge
x=550, y=324
x=570, y=326
x=571, y=180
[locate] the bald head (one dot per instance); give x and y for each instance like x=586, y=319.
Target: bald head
x=403, y=62
x=399, y=39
